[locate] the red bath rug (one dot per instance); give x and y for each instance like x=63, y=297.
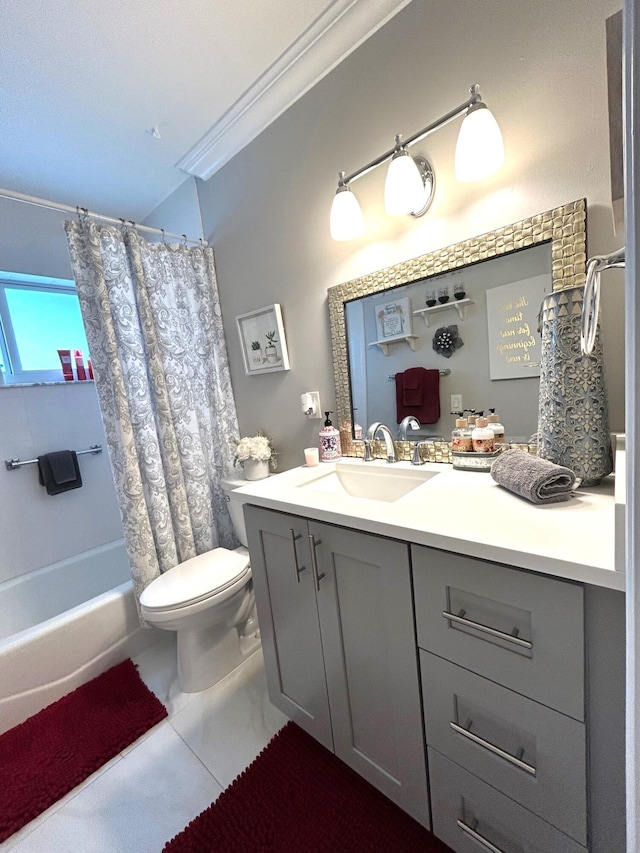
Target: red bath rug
x=298, y=796
x=45, y=757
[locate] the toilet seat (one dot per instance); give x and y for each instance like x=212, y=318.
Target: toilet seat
x=199, y=579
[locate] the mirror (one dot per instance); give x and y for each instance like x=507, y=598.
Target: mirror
x=550, y=245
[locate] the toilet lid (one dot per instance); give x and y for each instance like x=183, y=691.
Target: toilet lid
x=195, y=579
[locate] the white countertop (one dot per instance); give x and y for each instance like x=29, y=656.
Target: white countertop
x=468, y=513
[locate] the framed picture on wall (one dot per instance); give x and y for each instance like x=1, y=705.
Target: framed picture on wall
x=262, y=340
x=393, y=319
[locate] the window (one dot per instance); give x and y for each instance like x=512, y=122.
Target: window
x=38, y=316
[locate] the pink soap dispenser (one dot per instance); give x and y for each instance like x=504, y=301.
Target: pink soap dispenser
x=330, y=448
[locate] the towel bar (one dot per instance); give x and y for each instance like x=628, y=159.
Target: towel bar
x=444, y=372
x=11, y=464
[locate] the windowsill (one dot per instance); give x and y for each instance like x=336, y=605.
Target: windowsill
x=39, y=384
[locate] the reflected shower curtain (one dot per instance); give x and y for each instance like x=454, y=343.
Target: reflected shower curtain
x=154, y=328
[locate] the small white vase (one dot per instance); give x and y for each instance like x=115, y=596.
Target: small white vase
x=256, y=469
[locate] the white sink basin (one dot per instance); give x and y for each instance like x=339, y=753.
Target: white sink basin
x=370, y=480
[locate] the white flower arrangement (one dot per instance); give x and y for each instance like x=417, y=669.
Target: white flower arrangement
x=257, y=447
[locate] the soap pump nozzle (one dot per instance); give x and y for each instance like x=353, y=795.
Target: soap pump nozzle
x=328, y=420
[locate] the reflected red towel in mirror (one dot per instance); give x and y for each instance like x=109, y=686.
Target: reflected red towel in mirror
x=418, y=394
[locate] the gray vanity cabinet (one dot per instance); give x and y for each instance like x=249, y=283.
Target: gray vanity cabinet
x=336, y=614
x=506, y=651
x=289, y=620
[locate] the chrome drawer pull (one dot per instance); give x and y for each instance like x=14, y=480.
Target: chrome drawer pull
x=294, y=539
x=518, y=641
x=529, y=768
x=479, y=838
x=314, y=560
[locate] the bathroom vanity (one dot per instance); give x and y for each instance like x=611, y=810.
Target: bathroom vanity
x=458, y=647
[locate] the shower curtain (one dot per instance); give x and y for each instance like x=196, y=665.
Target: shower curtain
x=154, y=328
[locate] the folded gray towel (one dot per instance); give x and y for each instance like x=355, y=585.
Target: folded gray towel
x=538, y=480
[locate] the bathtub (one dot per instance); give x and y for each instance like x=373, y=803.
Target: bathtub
x=62, y=625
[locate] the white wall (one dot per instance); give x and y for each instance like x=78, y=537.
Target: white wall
x=542, y=70
x=37, y=529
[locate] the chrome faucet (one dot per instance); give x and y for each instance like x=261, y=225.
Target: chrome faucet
x=409, y=421
x=372, y=433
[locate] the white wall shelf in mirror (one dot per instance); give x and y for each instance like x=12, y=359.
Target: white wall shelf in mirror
x=461, y=307
x=384, y=345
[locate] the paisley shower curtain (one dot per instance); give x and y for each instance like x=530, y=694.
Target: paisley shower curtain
x=154, y=328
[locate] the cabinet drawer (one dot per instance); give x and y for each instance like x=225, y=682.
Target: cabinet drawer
x=532, y=754
x=471, y=817
x=519, y=629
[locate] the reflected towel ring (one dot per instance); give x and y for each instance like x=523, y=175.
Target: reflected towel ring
x=591, y=301
x=590, y=307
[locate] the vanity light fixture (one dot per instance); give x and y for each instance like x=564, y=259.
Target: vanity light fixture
x=409, y=185
x=346, y=221
x=410, y=181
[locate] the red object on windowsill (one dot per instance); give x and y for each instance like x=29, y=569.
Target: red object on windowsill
x=67, y=367
x=79, y=360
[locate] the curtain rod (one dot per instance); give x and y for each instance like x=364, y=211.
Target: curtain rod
x=52, y=205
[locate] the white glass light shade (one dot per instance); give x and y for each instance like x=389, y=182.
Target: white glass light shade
x=403, y=188
x=480, y=149
x=346, y=221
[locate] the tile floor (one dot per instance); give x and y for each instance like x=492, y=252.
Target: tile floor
x=150, y=791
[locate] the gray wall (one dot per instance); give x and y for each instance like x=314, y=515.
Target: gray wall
x=37, y=529
x=542, y=71
x=179, y=213
x=40, y=419
x=32, y=240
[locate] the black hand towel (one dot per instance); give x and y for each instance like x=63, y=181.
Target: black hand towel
x=59, y=472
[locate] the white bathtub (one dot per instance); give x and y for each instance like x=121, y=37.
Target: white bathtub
x=63, y=625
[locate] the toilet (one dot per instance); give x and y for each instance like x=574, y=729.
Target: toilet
x=209, y=601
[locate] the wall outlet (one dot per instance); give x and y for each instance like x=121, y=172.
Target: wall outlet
x=456, y=402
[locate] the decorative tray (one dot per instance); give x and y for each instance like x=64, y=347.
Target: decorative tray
x=465, y=461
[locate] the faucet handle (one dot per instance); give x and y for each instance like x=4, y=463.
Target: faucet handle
x=368, y=456
x=416, y=458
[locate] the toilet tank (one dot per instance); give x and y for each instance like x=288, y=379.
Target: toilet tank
x=230, y=484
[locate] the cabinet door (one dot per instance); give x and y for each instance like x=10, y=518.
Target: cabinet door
x=288, y=616
x=366, y=615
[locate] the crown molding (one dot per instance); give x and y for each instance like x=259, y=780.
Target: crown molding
x=336, y=33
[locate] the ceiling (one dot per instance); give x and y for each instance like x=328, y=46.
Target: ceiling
x=84, y=83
